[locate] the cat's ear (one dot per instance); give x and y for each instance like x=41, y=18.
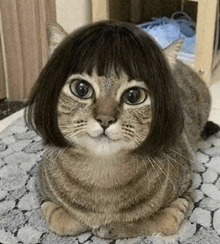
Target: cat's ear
x=55, y=35
x=172, y=51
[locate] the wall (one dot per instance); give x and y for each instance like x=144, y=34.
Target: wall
x=3, y=93
x=23, y=45
x=72, y=14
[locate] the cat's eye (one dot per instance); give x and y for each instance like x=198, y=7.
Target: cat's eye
x=134, y=96
x=81, y=89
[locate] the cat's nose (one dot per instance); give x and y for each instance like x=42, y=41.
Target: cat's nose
x=105, y=120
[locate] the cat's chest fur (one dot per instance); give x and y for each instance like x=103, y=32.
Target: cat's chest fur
x=114, y=186
x=94, y=171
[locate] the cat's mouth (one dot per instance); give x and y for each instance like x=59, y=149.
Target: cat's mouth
x=104, y=137
x=103, y=143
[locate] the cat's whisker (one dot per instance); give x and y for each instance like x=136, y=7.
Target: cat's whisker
x=155, y=170
x=173, y=184
x=78, y=130
x=174, y=160
x=128, y=136
x=53, y=150
x=66, y=130
x=175, y=172
x=137, y=141
x=66, y=125
x=180, y=155
x=167, y=174
x=137, y=163
x=132, y=147
x=49, y=151
x=60, y=152
x=162, y=167
x=145, y=164
x=144, y=129
x=71, y=136
x=170, y=163
x=71, y=127
x=138, y=138
x=73, y=131
x=140, y=135
x=72, y=123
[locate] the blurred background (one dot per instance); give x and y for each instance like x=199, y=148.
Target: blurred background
x=23, y=42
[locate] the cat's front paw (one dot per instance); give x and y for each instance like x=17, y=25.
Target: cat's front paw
x=118, y=230
x=170, y=219
x=105, y=232
x=61, y=222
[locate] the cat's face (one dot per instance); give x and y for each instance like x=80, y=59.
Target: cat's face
x=106, y=116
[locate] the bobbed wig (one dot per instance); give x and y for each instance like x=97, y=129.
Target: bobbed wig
x=107, y=47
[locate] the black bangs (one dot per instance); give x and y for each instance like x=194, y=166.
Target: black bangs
x=109, y=47
x=112, y=47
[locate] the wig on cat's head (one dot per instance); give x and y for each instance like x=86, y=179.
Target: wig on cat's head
x=107, y=47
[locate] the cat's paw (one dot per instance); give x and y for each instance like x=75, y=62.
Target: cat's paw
x=61, y=222
x=166, y=222
x=104, y=231
x=117, y=230
x=170, y=219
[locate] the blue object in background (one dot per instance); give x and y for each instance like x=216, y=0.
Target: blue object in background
x=165, y=31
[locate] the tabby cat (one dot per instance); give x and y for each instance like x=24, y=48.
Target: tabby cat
x=121, y=120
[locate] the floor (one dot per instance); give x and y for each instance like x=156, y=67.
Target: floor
x=23, y=222
x=8, y=120
x=8, y=109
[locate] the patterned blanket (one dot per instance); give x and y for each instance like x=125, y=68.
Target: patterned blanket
x=21, y=220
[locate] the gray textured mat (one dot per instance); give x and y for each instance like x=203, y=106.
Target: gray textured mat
x=21, y=220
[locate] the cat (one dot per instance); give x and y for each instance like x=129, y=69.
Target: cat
x=121, y=119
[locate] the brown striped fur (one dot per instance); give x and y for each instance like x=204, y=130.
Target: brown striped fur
x=103, y=185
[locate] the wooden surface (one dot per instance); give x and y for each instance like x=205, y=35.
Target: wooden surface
x=205, y=31
x=24, y=34
x=2, y=73
x=100, y=10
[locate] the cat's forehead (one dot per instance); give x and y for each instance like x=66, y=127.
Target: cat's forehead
x=115, y=82
x=111, y=82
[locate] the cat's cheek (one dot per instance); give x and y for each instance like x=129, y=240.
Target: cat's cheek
x=114, y=132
